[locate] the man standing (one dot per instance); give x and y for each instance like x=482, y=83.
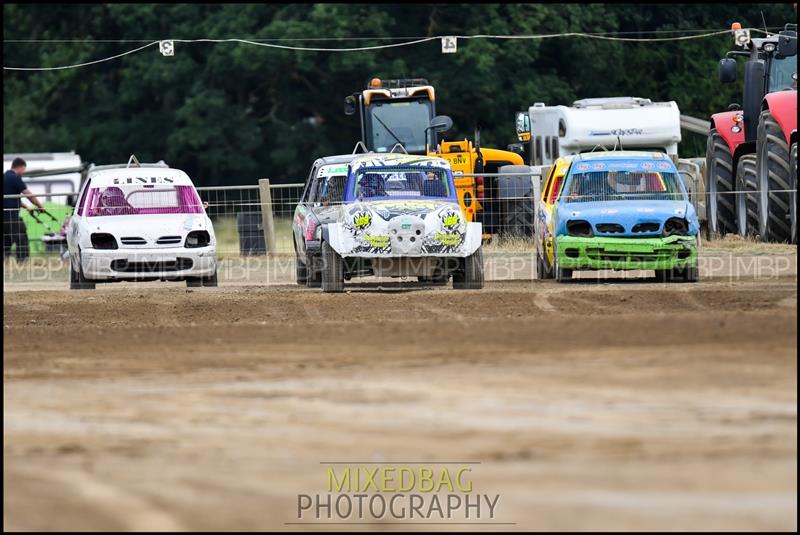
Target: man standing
x=14, y=230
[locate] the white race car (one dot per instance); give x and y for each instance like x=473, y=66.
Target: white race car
x=140, y=222
x=387, y=215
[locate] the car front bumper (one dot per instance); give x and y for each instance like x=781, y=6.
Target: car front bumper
x=626, y=253
x=162, y=263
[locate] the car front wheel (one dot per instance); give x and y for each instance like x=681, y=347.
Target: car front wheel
x=332, y=270
x=77, y=281
x=561, y=274
x=470, y=277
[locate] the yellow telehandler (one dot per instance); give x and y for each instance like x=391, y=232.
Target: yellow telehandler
x=403, y=112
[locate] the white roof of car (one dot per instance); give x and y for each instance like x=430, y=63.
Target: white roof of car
x=383, y=159
x=139, y=175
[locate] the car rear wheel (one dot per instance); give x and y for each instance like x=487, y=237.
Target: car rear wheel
x=470, y=277
x=542, y=270
x=313, y=272
x=332, y=270
x=300, y=271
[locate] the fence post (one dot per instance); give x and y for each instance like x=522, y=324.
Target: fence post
x=265, y=195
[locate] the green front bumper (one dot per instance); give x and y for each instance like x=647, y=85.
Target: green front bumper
x=626, y=253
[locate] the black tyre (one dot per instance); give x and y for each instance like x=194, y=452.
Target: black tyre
x=314, y=272
x=774, y=179
x=719, y=187
x=332, y=269
x=77, y=281
x=516, y=218
x=436, y=280
x=314, y=279
x=747, y=196
x=684, y=274
x=543, y=272
x=793, y=205
x=560, y=274
x=470, y=277
x=199, y=282
x=300, y=271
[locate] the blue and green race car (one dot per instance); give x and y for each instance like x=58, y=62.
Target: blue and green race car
x=625, y=210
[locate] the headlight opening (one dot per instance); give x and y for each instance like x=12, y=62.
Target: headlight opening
x=197, y=238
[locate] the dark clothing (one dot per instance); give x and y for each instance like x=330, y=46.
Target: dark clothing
x=433, y=188
x=12, y=185
x=14, y=231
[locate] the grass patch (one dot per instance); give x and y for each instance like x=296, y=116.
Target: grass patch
x=745, y=245
x=227, y=232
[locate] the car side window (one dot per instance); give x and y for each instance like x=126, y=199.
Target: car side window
x=313, y=190
x=548, y=183
x=555, y=188
x=309, y=182
x=82, y=198
x=328, y=190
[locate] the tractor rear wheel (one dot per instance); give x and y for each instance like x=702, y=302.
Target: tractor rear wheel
x=747, y=195
x=793, y=206
x=774, y=179
x=719, y=186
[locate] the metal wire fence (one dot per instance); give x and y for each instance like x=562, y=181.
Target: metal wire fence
x=251, y=220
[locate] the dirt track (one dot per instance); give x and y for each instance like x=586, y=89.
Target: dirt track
x=614, y=406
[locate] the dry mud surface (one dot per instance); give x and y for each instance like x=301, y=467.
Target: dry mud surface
x=629, y=405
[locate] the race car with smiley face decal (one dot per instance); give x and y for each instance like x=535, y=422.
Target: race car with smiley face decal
x=399, y=217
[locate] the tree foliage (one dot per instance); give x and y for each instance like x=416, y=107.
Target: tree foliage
x=230, y=113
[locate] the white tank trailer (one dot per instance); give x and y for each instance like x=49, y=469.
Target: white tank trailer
x=609, y=123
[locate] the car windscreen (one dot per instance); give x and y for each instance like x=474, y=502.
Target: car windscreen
x=144, y=199
x=403, y=182
x=615, y=184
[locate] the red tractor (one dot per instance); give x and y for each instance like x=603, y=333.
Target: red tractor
x=751, y=156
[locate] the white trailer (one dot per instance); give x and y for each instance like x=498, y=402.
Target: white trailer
x=608, y=123
x=50, y=172
x=626, y=122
